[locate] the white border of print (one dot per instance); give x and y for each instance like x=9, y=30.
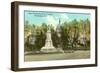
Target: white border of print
x=34, y=64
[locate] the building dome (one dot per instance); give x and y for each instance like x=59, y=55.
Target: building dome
x=58, y=28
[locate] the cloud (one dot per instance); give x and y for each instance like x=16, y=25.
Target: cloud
x=54, y=20
x=51, y=21
x=64, y=17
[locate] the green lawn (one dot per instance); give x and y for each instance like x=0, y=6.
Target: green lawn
x=81, y=54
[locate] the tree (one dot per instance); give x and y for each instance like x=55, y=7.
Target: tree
x=70, y=34
x=54, y=37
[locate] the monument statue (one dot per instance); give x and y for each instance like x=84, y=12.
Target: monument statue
x=48, y=47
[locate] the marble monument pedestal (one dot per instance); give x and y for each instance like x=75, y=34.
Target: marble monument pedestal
x=48, y=47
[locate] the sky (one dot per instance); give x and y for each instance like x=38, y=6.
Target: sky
x=39, y=17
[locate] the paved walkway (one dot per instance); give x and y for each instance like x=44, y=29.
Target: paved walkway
x=59, y=56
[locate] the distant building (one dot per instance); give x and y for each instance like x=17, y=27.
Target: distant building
x=30, y=37
x=82, y=39
x=58, y=28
